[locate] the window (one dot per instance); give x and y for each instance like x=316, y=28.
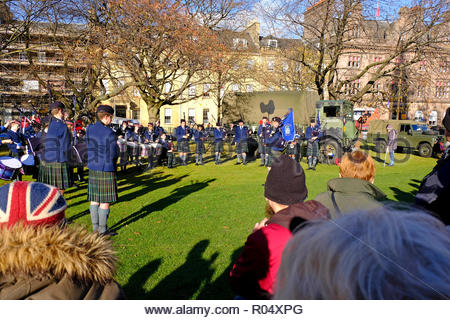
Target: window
x=121, y=111
x=270, y=65
x=192, y=92
x=206, y=90
x=191, y=115
x=351, y=88
x=377, y=59
x=250, y=64
x=136, y=114
x=285, y=66
x=444, y=67
x=106, y=85
x=167, y=87
x=353, y=62
x=273, y=43
x=205, y=116
x=22, y=56
x=239, y=43
x=422, y=66
x=249, y=88
x=442, y=90
x=167, y=116
x=355, y=31
x=42, y=57
x=59, y=57
x=420, y=91
x=235, y=87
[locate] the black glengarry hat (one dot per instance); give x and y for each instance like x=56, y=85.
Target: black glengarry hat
x=105, y=108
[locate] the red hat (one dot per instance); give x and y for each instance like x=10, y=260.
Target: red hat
x=31, y=203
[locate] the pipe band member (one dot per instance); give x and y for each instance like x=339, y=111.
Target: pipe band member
x=312, y=135
x=183, y=135
x=54, y=169
x=102, y=163
x=240, y=139
x=200, y=136
x=275, y=142
x=264, y=130
x=220, y=135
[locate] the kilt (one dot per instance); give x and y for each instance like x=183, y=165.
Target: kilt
x=183, y=146
x=102, y=186
x=218, y=146
x=291, y=149
x=262, y=148
x=272, y=156
x=241, y=147
x=199, y=147
x=55, y=174
x=313, y=149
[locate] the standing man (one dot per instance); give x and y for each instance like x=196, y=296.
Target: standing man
x=150, y=136
x=264, y=130
x=219, y=137
x=434, y=191
x=275, y=142
x=312, y=135
x=15, y=141
x=200, y=137
x=240, y=138
x=102, y=157
x=392, y=143
x=54, y=168
x=183, y=136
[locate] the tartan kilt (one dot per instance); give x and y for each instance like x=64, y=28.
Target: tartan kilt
x=199, y=147
x=263, y=149
x=241, y=147
x=183, y=146
x=313, y=149
x=218, y=146
x=55, y=174
x=291, y=149
x=272, y=156
x=102, y=186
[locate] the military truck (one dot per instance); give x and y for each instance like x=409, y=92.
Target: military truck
x=339, y=132
x=412, y=135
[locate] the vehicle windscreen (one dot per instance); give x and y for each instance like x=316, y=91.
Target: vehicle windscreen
x=420, y=127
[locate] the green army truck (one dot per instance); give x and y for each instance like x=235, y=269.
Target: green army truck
x=412, y=135
x=339, y=132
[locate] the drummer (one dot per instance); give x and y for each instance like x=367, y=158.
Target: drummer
x=14, y=139
x=102, y=157
x=135, y=138
x=151, y=136
x=54, y=169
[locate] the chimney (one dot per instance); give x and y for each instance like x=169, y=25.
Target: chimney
x=253, y=29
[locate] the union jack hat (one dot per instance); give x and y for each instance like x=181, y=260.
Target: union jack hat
x=31, y=203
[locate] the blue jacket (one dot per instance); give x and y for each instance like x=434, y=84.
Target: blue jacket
x=219, y=134
x=240, y=135
x=275, y=141
x=132, y=136
x=102, y=147
x=264, y=131
x=151, y=136
x=57, y=142
x=309, y=132
x=159, y=130
x=29, y=132
x=17, y=138
x=198, y=135
x=2, y=129
x=180, y=132
x=164, y=144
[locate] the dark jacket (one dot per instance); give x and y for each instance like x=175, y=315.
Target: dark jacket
x=199, y=136
x=345, y=195
x=122, y=132
x=219, y=134
x=57, y=142
x=240, y=135
x=151, y=136
x=2, y=129
x=51, y=263
x=264, y=132
x=275, y=141
x=17, y=138
x=102, y=147
x=133, y=136
x=180, y=132
x=255, y=272
x=434, y=191
x=313, y=132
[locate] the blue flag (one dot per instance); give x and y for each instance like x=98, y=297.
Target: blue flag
x=318, y=119
x=288, y=128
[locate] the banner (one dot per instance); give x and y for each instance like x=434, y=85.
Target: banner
x=288, y=128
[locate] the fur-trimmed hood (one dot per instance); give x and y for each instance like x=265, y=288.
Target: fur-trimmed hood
x=54, y=252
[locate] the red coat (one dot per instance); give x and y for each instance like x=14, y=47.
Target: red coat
x=254, y=274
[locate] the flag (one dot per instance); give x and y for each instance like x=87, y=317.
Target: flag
x=378, y=9
x=288, y=128
x=318, y=119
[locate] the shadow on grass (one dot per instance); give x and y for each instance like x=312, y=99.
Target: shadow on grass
x=408, y=197
x=175, y=196
x=134, y=289
x=187, y=279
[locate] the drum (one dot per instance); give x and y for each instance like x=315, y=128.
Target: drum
x=28, y=163
x=80, y=153
x=8, y=167
x=145, y=149
x=157, y=148
x=122, y=143
x=134, y=148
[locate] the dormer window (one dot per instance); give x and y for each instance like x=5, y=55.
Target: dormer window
x=273, y=43
x=239, y=43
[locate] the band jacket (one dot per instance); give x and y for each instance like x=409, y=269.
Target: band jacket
x=275, y=140
x=219, y=134
x=159, y=130
x=313, y=132
x=434, y=191
x=254, y=274
x=132, y=136
x=40, y=263
x=199, y=136
x=102, y=147
x=264, y=132
x=17, y=139
x=29, y=132
x=345, y=195
x=240, y=134
x=57, y=141
x=2, y=129
x=151, y=135
x=180, y=132
x=122, y=132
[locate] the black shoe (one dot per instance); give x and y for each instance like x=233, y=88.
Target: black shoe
x=309, y=168
x=313, y=168
x=109, y=233
x=196, y=164
x=237, y=163
x=261, y=165
x=245, y=163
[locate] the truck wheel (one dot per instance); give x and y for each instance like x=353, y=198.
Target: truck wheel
x=332, y=150
x=425, y=150
x=380, y=146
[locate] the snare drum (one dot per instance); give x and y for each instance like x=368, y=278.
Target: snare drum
x=146, y=149
x=8, y=167
x=134, y=148
x=122, y=143
x=27, y=163
x=157, y=148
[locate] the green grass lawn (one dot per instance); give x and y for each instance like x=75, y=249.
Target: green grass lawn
x=179, y=230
